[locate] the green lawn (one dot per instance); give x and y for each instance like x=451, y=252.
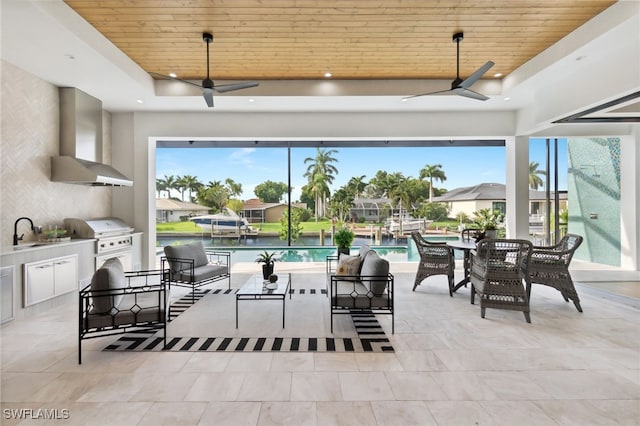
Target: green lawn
x=177, y=227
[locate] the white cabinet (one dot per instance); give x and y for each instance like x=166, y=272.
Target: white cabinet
x=65, y=275
x=49, y=278
x=6, y=294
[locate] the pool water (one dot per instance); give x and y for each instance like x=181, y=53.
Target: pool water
x=405, y=252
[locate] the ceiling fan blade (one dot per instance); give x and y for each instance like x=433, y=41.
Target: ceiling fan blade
x=439, y=92
x=166, y=77
x=468, y=82
x=235, y=86
x=208, y=97
x=468, y=93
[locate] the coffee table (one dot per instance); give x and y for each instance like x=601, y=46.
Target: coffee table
x=255, y=289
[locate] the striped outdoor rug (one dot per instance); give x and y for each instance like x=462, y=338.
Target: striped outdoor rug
x=370, y=335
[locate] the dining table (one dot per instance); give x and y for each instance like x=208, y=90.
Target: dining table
x=465, y=245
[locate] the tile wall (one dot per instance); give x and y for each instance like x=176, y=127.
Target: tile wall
x=28, y=138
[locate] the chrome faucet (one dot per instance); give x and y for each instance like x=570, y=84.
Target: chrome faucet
x=15, y=230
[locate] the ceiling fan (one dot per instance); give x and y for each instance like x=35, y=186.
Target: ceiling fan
x=460, y=86
x=207, y=86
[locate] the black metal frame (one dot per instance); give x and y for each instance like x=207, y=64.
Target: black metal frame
x=171, y=277
x=355, y=279
x=86, y=303
x=331, y=266
x=266, y=296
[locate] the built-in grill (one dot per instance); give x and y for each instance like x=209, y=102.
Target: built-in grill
x=113, y=238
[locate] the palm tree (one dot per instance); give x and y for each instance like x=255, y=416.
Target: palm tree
x=320, y=174
x=383, y=183
x=399, y=195
x=168, y=183
x=356, y=185
x=181, y=187
x=160, y=186
x=215, y=195
x=235, y=189
x=535, y=181
x=190, y=184
x=432, y=172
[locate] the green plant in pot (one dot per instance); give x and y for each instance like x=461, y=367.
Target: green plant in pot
x=343, y=239
x=267, y=259
x=488, y=221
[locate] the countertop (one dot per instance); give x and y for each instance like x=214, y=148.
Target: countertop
x=29, y=246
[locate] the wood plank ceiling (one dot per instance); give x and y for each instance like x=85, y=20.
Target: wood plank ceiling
x=352, y=39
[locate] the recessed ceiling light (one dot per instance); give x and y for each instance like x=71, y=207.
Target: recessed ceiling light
x=404, y=99
x=139, y=101
x=507, y=98
x=328, y=74
x=251, y=100
x=498, y=74
x=173, y=75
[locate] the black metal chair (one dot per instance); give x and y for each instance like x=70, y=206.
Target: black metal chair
x=192, y=266
x=499, y=269
x=550, y=266
x=118, y=302
x=436, y=258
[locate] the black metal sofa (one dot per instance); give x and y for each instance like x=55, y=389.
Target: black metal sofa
x=118, y=302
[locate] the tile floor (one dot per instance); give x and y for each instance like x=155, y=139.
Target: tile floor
x=450, y=367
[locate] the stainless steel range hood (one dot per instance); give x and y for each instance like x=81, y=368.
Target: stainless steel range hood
x=80, y=160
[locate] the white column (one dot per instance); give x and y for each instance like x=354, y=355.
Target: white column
x=517, y=174
x=630, y=200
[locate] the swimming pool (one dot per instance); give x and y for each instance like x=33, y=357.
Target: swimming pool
x=248, y=253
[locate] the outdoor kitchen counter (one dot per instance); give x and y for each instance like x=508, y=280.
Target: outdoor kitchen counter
x=14, y=261
x=39, y=245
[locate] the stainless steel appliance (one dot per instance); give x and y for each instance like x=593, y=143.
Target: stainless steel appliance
x=81, y=157
x=113, y=238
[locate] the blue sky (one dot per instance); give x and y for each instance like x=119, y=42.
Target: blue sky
x=463, y=166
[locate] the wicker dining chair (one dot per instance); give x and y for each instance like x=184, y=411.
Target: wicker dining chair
x=498, y=273
x=436, y=258
x=550, y=266
x=470, y=233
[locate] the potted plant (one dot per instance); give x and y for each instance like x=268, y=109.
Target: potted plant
x=343, y=239
x=267, y=259
x=488, y=221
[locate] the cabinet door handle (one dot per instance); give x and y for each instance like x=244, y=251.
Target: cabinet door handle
x=62, y=262
x=49, y=265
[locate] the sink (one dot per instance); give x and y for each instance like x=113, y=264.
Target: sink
x=23, y=246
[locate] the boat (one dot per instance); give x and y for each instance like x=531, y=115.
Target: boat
x=222, y=223
x=409, y=224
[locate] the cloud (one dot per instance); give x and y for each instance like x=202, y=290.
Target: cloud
x=243, y=156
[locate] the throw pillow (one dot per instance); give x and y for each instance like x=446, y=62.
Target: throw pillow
x=375, y=271
x=109, y=276
x=193, y=251
x=348, y=265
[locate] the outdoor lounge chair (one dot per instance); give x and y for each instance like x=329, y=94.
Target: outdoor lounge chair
x=360, y=283
x=118, y=302
x=550, y=266
x=498, y=272
x=191, y=266
x=436, y=258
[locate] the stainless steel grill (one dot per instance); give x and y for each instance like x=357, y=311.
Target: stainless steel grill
x=113, y=237
x=97, y=228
